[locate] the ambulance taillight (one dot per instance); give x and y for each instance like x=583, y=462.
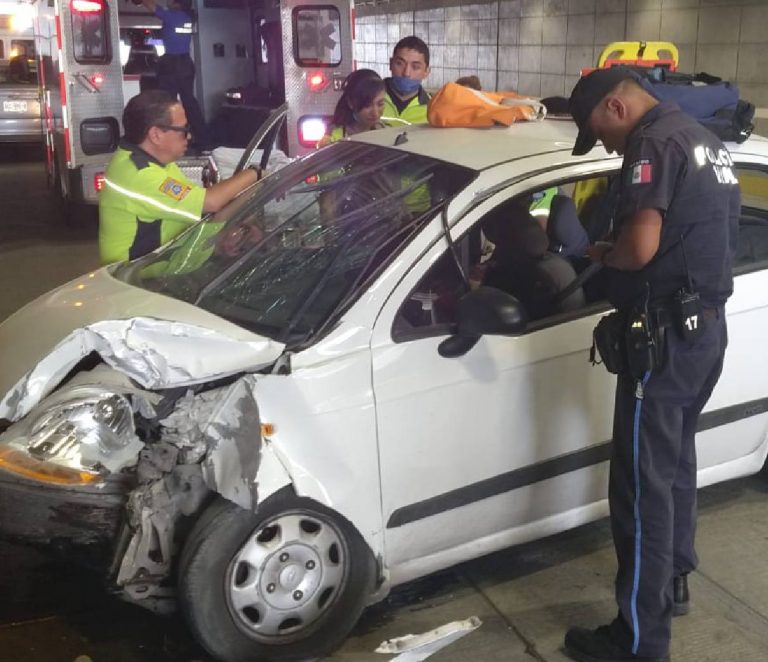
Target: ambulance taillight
x=99, y=181
x=317, y=81
x=311, y=130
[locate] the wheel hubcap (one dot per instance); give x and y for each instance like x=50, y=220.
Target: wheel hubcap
x=286, y=575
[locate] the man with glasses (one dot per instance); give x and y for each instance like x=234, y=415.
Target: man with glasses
x=147, y=200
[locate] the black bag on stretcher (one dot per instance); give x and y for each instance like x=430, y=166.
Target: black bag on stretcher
x=713, y=102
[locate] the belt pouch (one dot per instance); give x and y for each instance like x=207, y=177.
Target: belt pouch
x=609, y=338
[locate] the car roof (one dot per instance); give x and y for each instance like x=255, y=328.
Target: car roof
x=479, y=148
x=483, y=148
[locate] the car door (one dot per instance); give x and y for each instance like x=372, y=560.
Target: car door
x=506, y=443
x=734, y=425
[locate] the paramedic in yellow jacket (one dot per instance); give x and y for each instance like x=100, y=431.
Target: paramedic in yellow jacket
x=360, y=107
x=147, y=200
x=406, y=101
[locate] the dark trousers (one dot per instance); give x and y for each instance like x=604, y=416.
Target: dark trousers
x=652, y=491
x=176, y=74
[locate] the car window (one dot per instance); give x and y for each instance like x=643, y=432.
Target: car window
x=286, y=255
x=531, y=246
x=752, y=246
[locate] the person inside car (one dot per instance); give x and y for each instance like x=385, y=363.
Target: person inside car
x=360, y=107
x=18, y=67
x=521, y=264
x=406, y=101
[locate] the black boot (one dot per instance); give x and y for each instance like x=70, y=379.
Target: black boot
x=682, y=600
x=602, y=645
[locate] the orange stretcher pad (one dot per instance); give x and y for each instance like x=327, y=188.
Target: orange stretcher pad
x=457, y=106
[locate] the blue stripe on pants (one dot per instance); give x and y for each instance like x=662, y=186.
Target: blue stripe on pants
x=638, y=522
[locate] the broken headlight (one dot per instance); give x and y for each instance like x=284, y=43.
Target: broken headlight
x=75, y=438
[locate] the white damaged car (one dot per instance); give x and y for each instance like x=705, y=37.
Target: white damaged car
x=370, y=366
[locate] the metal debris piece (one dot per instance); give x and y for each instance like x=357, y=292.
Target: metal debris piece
x=416, y=647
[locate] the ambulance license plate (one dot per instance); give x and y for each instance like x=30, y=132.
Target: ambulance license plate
x=15, y=106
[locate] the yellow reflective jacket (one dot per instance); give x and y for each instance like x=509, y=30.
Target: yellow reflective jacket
x=414, y=113
x=143, y=205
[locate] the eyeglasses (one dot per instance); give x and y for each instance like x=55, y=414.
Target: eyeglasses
x=180, y=129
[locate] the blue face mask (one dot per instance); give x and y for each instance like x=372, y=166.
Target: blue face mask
x=405, y=85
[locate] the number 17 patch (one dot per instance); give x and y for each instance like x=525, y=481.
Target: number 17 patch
x=642, y=172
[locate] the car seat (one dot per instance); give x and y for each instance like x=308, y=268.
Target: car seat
x=567, y=236
x=522, y=266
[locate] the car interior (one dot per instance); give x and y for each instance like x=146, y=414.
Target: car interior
x=533, y=253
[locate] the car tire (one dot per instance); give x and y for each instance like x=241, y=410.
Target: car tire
x=287, y=582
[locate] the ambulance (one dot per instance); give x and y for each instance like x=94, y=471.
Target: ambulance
x=252, y=57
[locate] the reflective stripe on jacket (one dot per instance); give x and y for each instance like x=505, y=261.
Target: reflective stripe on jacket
x=143, y=205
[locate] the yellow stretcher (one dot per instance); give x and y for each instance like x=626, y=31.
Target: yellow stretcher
x=639, y=54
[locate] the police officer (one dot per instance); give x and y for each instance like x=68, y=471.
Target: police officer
x=176, y=71
x=406, y=101
x=147, y=200
x=669, y=273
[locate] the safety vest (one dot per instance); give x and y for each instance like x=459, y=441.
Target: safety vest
x=143, y=204
x=542, y=202
x=337, y=133
x=414, y=113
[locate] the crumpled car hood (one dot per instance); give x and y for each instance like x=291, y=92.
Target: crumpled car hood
x=157, y=341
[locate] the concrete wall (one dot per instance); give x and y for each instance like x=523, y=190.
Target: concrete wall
x=538, y=47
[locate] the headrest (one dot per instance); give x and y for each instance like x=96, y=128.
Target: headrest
x=567, y=234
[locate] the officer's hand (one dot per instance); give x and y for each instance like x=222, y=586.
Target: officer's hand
x=597, y=251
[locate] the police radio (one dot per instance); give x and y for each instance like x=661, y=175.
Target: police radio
x=687, y=305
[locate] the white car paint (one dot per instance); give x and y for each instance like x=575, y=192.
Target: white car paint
x=380, y=430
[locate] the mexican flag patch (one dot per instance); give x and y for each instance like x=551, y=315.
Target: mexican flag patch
x=642, y=172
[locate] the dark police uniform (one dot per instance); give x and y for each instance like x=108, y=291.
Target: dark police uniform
x=672, y=164
x=176, y=71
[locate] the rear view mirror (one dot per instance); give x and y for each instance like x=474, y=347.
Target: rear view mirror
x=484, y=311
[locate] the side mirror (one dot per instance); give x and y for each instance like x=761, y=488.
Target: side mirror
x=484, y=311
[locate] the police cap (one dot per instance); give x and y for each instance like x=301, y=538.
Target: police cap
x=589, y=92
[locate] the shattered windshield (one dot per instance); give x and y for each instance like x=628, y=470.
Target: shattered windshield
x=301, y=245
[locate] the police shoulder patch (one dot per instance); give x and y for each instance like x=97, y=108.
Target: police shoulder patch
x=641, y=172
x=175, y=189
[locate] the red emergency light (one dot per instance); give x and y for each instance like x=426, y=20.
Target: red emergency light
x=97, y=80
x=317, y=80
x=86, y=6
x=99, y=181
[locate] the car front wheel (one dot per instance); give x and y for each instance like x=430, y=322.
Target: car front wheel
x=285, y=583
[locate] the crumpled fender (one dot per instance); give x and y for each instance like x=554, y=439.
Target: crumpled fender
x=155, y=353
x=238, y=463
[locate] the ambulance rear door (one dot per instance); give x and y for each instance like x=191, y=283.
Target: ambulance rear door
x=317, y=57
x=91, y=94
